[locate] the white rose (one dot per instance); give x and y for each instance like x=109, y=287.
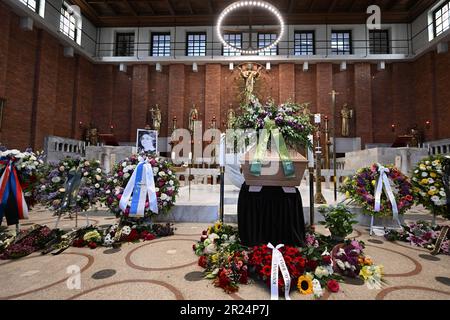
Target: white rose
x=86, y=163
x=161, y=174
x=210, y=249
x=62, y=168
x=155, y=170
x=108, y=191
x=317, y=288
x=125, y=169
x=340, y=264
x=98, y=177
x=33, y=158
x=164, y=196
x=56, y=179
x=126, y=175
x=97, y=185
x=115, y=180
x=43, y=187
x=124, y=164
x=213, y=236
x=171, y=182
x=99, y=170
x=86, y=174
x=156, y=189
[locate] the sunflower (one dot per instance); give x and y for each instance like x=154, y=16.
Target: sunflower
x=305, y=285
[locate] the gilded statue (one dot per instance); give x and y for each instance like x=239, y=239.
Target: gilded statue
x=347, y=115
x=231, y=116
x=306, y=110
x=250, y=73
x=193, y=116
x=156, y=118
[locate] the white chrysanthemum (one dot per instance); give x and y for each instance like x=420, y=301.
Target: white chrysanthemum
x=164, y=196
x=162, y=173
x=171, y=182
x=99, y=170
x=56, y=179
x=126, y=230
x=442, y=193
x=430, y=180
x=424, y=174
x=97, y=185
x=155, y=170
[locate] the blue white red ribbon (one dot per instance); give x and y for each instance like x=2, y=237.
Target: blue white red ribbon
x=9, y=183
x=278, y=263
x=140, y=186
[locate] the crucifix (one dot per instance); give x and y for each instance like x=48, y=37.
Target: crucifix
x=333, y=94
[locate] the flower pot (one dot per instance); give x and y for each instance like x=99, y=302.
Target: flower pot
x=337, y=239
x=272, y=173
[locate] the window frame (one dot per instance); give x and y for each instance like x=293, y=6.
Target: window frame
x=37, y=2
x=313, y=32
x=117, y=33
x=446, y=3
x=236, y=53
x=152, y=34
x=350, y=42
x=65, y=6
x=388, y=41
x=197, y=33
x=263, y=53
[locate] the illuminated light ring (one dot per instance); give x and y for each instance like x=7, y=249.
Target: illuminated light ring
x=241, y=4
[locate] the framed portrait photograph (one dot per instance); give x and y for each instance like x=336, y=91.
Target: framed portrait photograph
x=147, y=141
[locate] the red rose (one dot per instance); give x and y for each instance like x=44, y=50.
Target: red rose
x=203, y=261
x=78, y=243
x=244, y=277
x=133, y=236
x=326, y=259
x=266, y=270
x=311, y=264
x=92, y=245
x=149, y=237
x=409, y=197
x=333, y=285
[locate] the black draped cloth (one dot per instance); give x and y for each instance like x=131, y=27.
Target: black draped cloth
x=270, y=215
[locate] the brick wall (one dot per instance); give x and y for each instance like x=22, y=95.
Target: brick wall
x=48, y=93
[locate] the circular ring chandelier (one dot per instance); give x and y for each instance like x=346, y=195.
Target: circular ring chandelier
x=242, y=4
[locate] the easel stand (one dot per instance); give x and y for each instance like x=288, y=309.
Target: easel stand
x=374, y=228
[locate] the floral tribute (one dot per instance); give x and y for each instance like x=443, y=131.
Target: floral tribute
x=428, y=185
x=166, y=184
x=421, y=234
x=361, y=187
x=29, y=167
x=350, y=261
x=311, y=267
x=225, y=261
x=53, y=185
x=289, y=118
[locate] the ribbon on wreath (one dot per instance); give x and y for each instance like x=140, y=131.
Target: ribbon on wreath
x=140, y=185
x=271, y=129
x=278, y=263
x=383, y=180
x=10, y=184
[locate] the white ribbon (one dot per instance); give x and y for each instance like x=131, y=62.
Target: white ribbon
x=278, y=263
x=147, y=183
x=384, y=180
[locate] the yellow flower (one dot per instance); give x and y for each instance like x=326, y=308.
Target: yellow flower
x=305, y=285
x=368, y=261
x=217, y=226
x=424, y=181
x=214, y=258
x=422, y=167
x=373, y=182
x=366, y=273
x=431, y=193
x=347, y=194
x=433, y=175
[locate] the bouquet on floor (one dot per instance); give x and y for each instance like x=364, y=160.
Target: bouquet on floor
x=428, y=185
x=421, y=234
x=361, y=189
x=165, y=181
x=72, y=185
x=225, y=261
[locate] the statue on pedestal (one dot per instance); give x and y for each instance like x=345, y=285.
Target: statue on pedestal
x=415, y=137
x=156, y=118
x=231, y=116
x=347, y=115
x=93, y=136
x=193, y=116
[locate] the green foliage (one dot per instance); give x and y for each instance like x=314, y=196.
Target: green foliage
x=339, y=220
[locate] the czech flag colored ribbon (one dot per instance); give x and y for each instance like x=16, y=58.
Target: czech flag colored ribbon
x=140, y=185
x=383, y=180
x=9, y=183
x=270, y=129
x=278, y=264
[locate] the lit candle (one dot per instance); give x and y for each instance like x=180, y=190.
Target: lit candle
x=310, y=153
x=222, y=151
x=173, y=155
x=190, y=155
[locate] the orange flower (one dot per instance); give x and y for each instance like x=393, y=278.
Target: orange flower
x=368, y=261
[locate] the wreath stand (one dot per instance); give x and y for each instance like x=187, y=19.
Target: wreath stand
x=374, y=227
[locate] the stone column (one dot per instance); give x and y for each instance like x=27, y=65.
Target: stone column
x=363, y=103
x=139, y=99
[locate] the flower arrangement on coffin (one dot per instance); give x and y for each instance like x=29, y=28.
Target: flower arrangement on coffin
x=92, y=181
x=28, y=166
x=287, y=128
x=350, y=261
x=428, y=185
x=166, y=184
x=421, y=234
x=225, y=261
x=361, y=187
x=294, y=124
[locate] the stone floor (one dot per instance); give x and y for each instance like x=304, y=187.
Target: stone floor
x=167, y=269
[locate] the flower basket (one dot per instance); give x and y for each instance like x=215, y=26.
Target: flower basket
x=272, y=173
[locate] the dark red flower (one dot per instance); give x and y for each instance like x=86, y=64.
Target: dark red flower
x=244, y=277
x=133, y=236
x=333, y=285
x=266, y=270
x=203, y=261
x=311, y=265
x=92, y=245
x=78, y=243
x=326, y=259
